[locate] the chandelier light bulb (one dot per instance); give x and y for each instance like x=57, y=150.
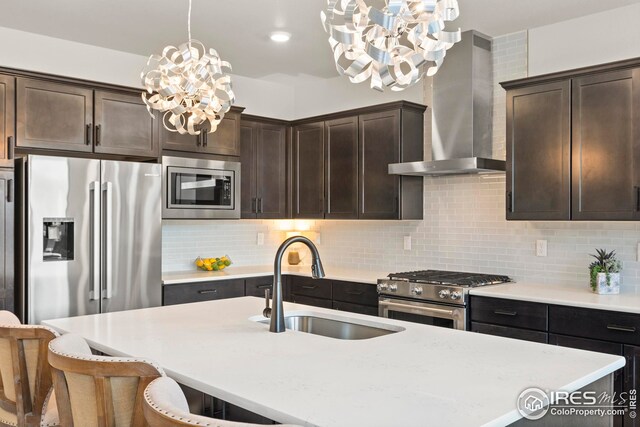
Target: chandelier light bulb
x=389, y=46
x=280, y=36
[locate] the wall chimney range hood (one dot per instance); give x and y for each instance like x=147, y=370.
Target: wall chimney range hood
x=462, y=139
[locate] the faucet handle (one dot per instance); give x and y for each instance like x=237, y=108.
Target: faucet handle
x=267, y=310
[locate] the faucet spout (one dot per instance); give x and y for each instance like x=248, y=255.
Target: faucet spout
x=317, y=272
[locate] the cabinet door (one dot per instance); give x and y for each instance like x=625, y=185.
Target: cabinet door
x=271, y=171
x=341, y=157
x=54, y=116
x=177, y=142
x=225, y=141
x=7, y=118
x=538, y=152
x=606, y=146
x=248, y=143
x=124, y=126
x=308, y=171
x=6, y=241
x=202, y=291
x=379, y=145
x=632, y=381
x=256, y=286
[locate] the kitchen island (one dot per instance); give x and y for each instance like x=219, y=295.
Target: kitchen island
x=422, y=375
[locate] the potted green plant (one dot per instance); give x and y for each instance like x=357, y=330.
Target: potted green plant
x=605, y=272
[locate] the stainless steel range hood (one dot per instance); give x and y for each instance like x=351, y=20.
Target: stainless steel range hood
x=462, y=140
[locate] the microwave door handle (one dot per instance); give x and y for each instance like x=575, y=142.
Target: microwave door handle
x=107, y=189
x=94, y=190
x=426, y=310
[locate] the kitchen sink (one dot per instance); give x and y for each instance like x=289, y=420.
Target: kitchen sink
x=332, y=328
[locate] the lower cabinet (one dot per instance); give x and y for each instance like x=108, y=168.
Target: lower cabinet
x=582, y=328
x=202, y=291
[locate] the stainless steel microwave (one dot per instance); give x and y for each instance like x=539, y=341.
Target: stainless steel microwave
x=200, y=189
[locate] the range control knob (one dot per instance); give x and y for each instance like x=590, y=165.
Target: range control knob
x=417, y=290
x=443, y=293
x=456, y=295
x=382, y=287
x=393, y=287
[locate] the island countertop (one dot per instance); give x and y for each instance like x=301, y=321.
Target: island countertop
x=424, y=375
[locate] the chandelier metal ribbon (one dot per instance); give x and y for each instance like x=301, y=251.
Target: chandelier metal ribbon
x=190, y=85
x=389, y=45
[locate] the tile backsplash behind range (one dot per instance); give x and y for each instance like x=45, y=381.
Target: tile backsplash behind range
x=464, y=226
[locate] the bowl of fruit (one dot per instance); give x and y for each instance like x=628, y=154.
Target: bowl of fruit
x=213, y=264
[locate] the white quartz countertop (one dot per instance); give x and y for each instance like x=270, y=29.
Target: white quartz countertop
x=239, y=272
x=424, y=375
x=627, y=301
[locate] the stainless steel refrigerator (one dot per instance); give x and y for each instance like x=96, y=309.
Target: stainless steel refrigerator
x=92, y=236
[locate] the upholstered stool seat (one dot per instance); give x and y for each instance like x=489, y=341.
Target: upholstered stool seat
x=26, y=392
x=166, y=406
x=98, y=391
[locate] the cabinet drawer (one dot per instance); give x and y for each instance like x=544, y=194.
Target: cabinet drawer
x=307, y=286
x=316, y=302
x=507, y=332
x=595, y=324
x=357, y=293
x=518, y=314
x=205, y=291
x=355, y=308
x=586, y=344
x=255, y=286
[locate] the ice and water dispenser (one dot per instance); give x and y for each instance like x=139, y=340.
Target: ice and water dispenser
x=57, y=239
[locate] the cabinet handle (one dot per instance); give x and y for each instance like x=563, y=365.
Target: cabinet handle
x=353, y=293
x=260, y=205
x=510, y=201
x=264, y=286
x=208, y=291
x=621, y=328
x=98, y=128
x=87, y=136
x=637, y=199
x=308, y=287
x=10, y=148
x=205, y=139
x=9, y=189
x=254, y=209
x=505, y=313
x=198, y=139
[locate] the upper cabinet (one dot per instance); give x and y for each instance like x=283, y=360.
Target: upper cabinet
x=52, y=115
x=264, y=168
x=7, y=118
x=340, y=164
x=225, y=141
x=573, y=145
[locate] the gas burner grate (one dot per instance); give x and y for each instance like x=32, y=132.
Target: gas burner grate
x=440, y=277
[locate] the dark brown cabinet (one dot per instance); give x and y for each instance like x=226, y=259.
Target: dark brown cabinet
x=7, y=227
x=256, y=286
x=264, y=169
x=225, y=141
x=202, y=291
x=606, y=146
x=339, y=295
x=54, y=115
x=538, y=152
x=573, y=145
x=7, y=118
x=341, y=159
x=123, y=126
x=308, y=170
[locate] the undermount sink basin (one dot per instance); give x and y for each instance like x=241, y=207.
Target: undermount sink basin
x=332, y=328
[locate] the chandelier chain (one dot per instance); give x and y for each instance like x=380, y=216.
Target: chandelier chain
x=189, y=24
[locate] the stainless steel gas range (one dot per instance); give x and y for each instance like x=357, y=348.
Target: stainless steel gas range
x=431, y=297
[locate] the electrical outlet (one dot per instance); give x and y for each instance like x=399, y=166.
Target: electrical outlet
x=260, y=241
x=541, y=248
x=407, y=243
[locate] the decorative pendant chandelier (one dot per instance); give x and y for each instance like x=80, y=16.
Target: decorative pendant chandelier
x=389, y=45
x=190, y=85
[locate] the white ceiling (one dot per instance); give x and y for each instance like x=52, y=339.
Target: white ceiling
x=239, y=29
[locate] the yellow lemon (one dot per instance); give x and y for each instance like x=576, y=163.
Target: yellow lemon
x=199, y=262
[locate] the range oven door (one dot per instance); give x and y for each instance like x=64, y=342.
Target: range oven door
x=196, y=188
x=453, y=317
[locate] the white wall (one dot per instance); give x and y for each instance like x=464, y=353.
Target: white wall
x=590, y=40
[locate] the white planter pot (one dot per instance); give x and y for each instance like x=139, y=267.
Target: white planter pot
x=610, y=287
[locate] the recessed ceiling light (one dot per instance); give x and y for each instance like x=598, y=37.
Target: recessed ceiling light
x=280, y=36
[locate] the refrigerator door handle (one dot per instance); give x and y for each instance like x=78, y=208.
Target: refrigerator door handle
x=94, y=189
x=107, y=238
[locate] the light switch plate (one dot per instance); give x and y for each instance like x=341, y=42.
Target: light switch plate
x=407, y=243
x=541, y=248
x=260, y=239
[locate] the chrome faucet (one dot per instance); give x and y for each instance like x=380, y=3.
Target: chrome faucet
x=317, y=272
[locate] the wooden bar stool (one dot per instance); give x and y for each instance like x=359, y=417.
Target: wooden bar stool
x=166, y=406
x=98, y=391
x=26, y=393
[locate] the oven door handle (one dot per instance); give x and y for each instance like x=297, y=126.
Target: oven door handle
x=431, y=310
